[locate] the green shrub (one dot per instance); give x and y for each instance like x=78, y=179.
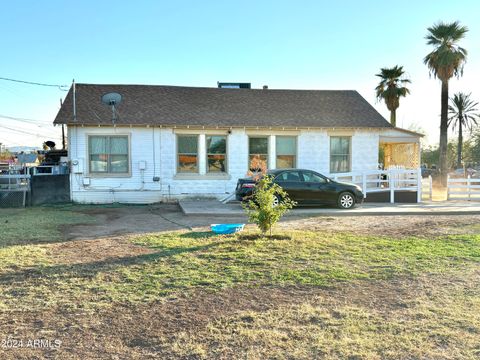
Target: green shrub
x=268, y=204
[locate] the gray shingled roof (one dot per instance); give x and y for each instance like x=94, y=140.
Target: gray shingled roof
x=178, y=105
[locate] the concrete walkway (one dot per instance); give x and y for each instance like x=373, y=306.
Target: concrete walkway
x=216, y=208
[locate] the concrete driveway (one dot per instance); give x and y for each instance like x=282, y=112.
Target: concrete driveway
x=217, y=208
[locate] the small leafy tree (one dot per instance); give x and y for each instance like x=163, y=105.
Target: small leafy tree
x=257, y=168
x=268, y=204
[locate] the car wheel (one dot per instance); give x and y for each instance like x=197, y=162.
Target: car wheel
x=346, y=200
x=276, y=200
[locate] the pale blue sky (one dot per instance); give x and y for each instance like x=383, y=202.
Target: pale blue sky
x=285, y=44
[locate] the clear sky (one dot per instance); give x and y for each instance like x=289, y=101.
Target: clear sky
x=284, y=44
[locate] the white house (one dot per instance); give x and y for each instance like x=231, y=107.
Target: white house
x=169, y=142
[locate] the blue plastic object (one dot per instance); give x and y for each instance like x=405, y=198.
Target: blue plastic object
x=226, y=228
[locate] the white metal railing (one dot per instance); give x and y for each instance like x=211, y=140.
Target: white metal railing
x=463, y=188
x=19, y=182
x=385, y=180
x=16, y=185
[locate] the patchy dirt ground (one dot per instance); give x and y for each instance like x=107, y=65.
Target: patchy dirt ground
x=397, y=226
x=147, y=331
x=106, y=237
x=132, y=220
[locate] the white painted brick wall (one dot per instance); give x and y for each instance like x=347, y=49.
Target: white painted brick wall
x=365, y=146
x=237, y=154
x=313, y=151
x=148, y=144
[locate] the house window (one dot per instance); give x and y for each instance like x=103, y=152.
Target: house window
x=108, y=154
x=340, y=154
x=257, y=153
x=216, y=153
x=286, y=152
x=187, y=153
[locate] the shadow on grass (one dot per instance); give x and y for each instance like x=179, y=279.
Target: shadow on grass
x=199, y=235
x=259, y=236
x=89, y=270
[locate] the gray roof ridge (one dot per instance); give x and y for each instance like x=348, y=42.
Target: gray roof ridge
x=214, y=88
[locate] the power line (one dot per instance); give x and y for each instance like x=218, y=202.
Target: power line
x=60, y=87
x=32, y=121
x=24, y=132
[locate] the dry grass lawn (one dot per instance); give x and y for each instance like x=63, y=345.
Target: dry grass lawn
x=135, y=282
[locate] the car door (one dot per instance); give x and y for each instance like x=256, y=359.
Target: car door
x=291, y=181
x=317, y=188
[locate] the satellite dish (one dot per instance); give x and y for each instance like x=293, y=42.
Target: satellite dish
x=112, y=99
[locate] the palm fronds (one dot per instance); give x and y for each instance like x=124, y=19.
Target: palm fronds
x=463, y=109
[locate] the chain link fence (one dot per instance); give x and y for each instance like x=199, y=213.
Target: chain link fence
x=14, y=190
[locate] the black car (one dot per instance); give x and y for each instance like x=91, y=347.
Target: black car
x=307, y=187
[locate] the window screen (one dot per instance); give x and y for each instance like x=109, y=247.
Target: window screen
x=216, y=153
x=108, y=154
x=340, y=154
x=187, y=153
x=258, y=152
x=286, y=147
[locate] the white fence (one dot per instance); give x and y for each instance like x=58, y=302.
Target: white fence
x=427, y=188
x=463, y=189
x=391, y=180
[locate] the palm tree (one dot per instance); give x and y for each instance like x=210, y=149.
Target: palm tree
x=464, y=114
x=444, y=62
x=391, y=88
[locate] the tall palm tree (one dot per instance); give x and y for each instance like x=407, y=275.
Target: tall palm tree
x=444, y=62
x=391, y=88
x=464, y=114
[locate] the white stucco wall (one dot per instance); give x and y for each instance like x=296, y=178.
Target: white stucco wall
x=157, y=147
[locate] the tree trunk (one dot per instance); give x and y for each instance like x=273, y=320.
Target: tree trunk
x=443, y=134
x=393, y=117
x=460, y=141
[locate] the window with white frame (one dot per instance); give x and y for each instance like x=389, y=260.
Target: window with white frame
x=257, y=153
x=216, y=148
x=286, y=147
x=108, y=154
x=187, y=153
x=340, y=154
